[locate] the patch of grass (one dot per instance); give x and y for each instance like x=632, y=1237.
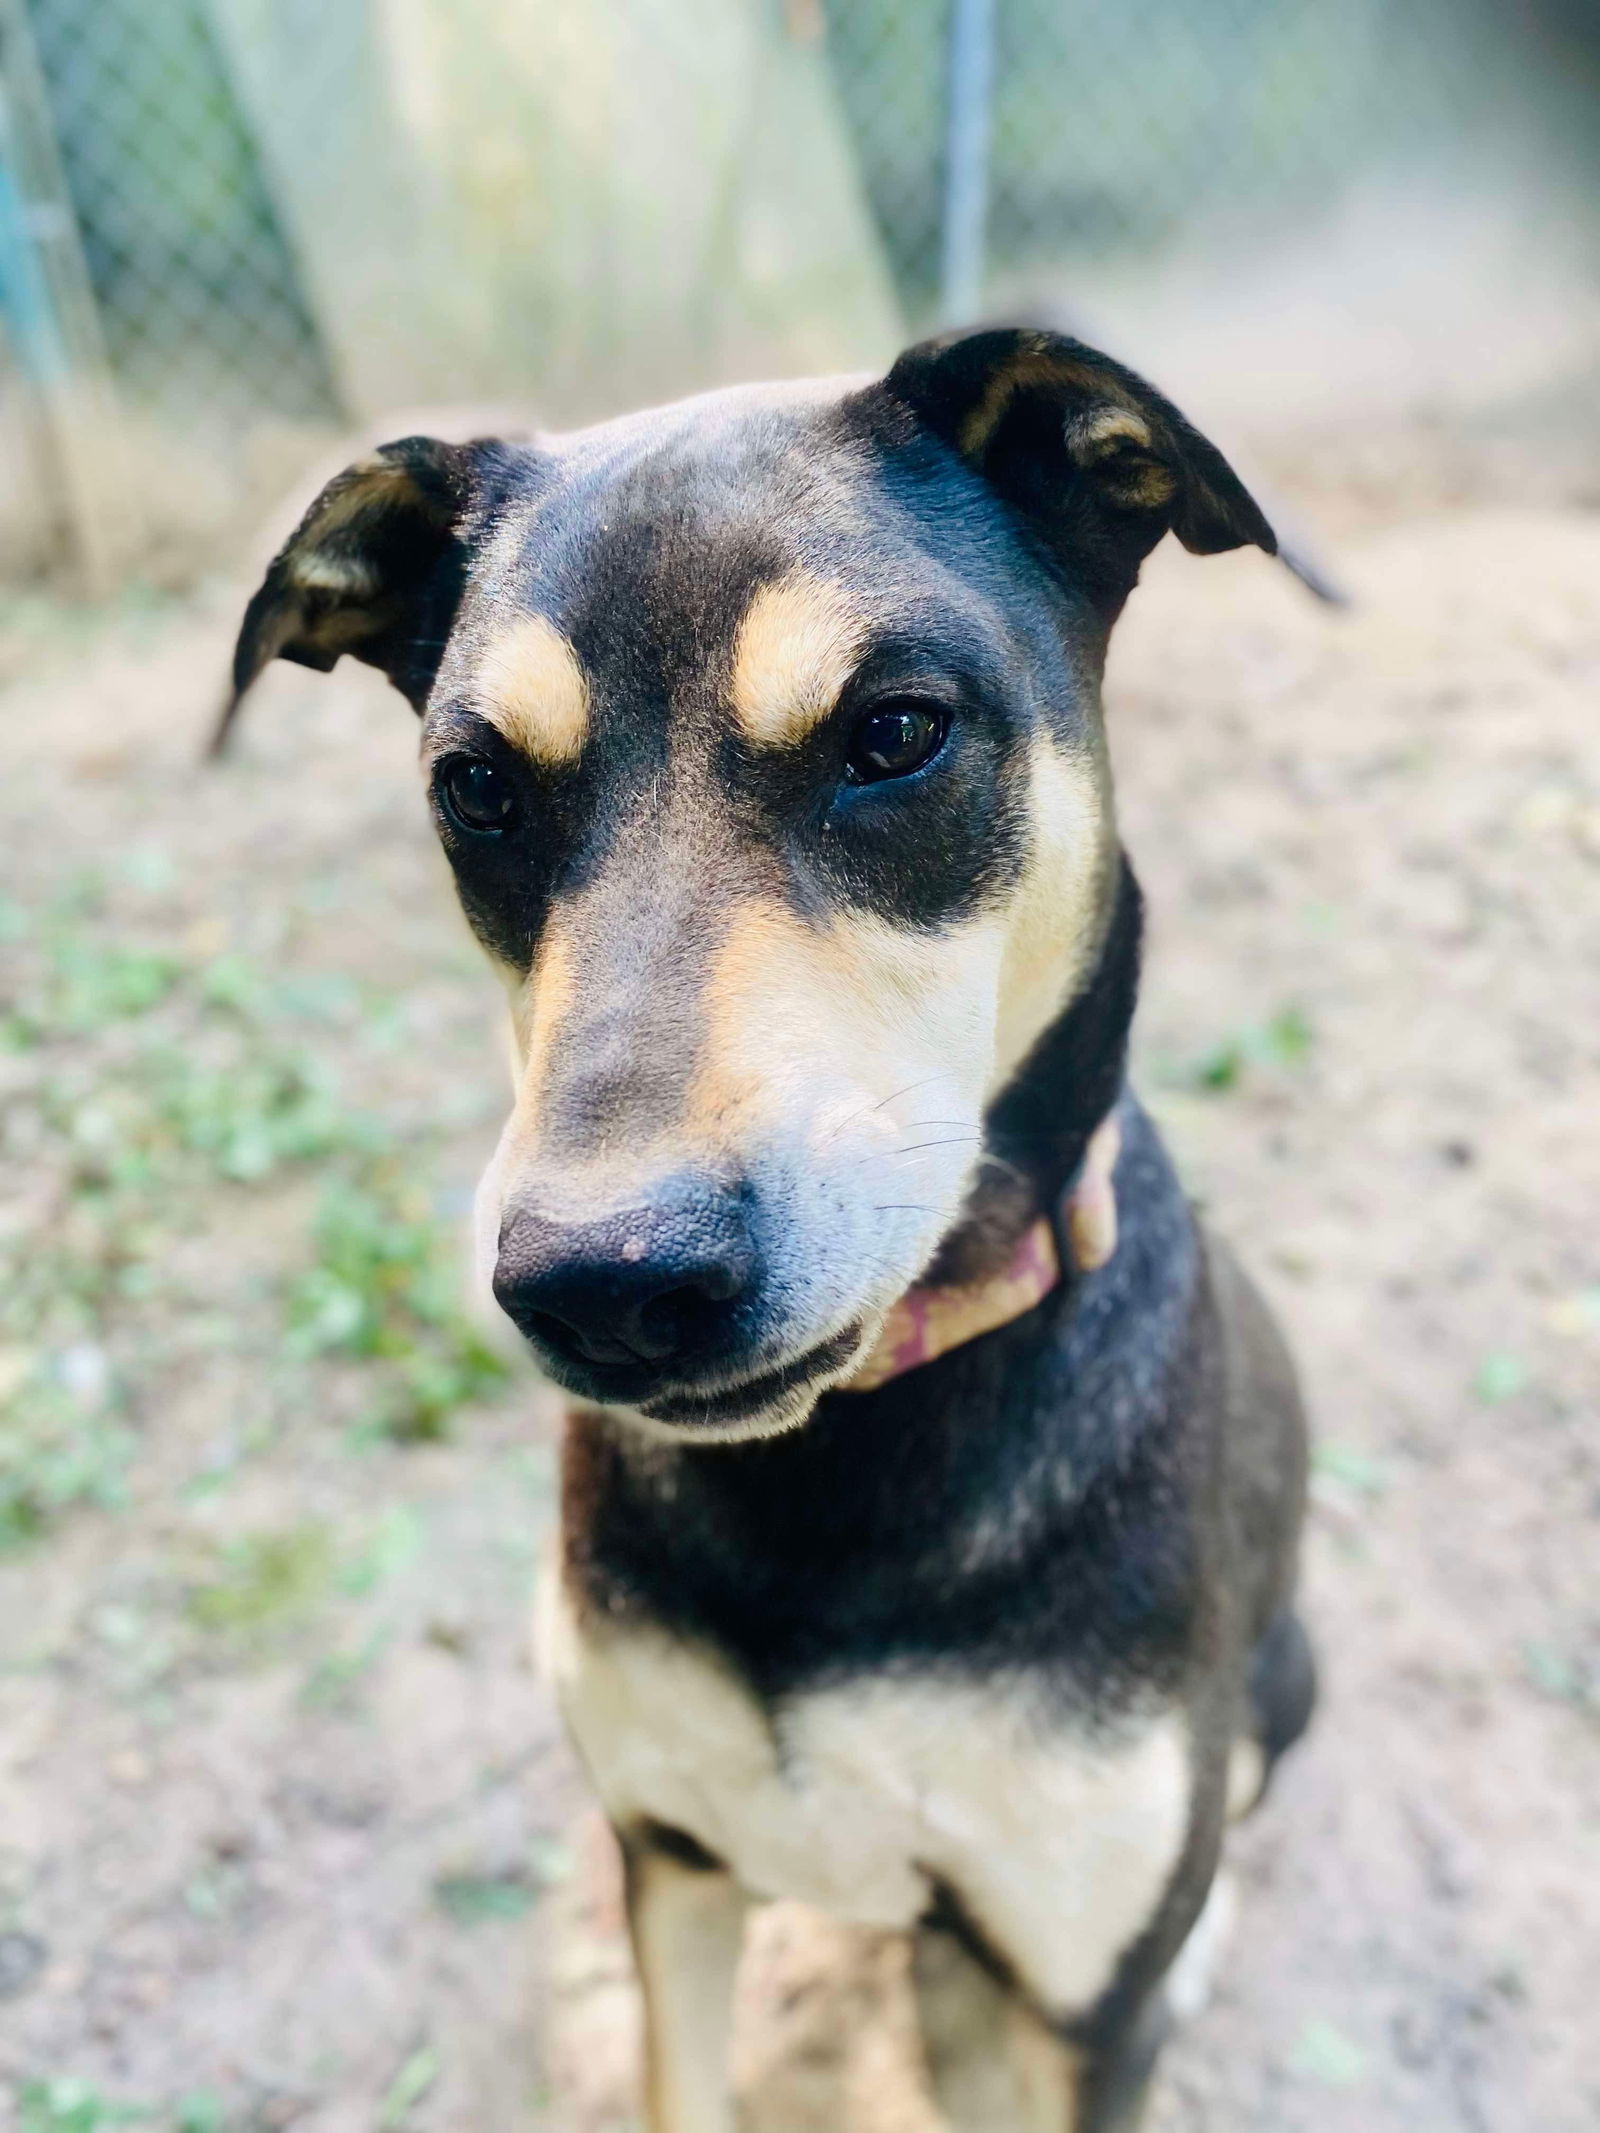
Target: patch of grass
x=1355, y=1471
x=89, y=984
x=66, y=2105
x=1285, y=1042
x=1324, y=2054
x=1500, y=1376
x=56, y=1450
x=252, y=1116
x=409, y=2086
x=395, y=1544
x=152, y=1078
x=383, y=1289
x=199, y=2113
x=266, y=1581
x=484, y=1899
x=1557, y=1674
x=334, y=1679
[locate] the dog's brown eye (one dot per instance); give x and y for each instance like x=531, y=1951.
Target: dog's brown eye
x=477, y=796
x=894, y=739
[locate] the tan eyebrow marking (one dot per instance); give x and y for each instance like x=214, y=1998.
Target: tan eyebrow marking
x=797, y=647
x=529, y=684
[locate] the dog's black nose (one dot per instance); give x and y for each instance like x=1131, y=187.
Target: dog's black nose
x=650, y=1284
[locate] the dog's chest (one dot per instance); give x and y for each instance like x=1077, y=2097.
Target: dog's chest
x=867, y=1799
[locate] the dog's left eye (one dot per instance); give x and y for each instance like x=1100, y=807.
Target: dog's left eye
x=477, y=796
x=893, y=739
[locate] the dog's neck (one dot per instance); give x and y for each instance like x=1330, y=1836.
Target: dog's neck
x=1038, y=1128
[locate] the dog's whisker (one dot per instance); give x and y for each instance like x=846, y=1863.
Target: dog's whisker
x=883, y=1103
x=956, y=1140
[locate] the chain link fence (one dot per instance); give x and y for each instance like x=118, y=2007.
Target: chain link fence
x=1005, y=143
x=199, y=299
x=1003, y=148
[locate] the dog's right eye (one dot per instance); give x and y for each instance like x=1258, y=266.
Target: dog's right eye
x=893, y=739
x=477, y=795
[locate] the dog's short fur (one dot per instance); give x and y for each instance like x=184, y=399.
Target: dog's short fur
x=987, y=1653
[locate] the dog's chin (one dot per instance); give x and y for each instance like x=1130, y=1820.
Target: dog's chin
x=767, y=1404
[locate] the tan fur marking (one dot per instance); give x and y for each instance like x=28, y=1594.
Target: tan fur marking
x=1051, y=939
x=371, y=484
x=790, y=1007
x=538, y=1006
x=531, y=687
x=993, y=2066
x=1058, y=1841
x=797, y=647
x=687, y=1929
x=321, y=570
x=1036, y=364
x=1099, y=430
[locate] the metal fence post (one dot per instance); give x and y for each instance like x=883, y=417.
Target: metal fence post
x=968, y=112
x=50, y=309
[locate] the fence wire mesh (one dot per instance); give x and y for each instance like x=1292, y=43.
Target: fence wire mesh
x=198, y=296
x=1115, y=128
x=1000, y=146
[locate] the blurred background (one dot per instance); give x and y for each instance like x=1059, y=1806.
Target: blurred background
x=232, y=228
x=287, y=1834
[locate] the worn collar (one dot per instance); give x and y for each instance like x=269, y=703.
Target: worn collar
x=929, y=1321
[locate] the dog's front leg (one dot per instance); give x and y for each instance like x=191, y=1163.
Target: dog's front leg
x=994, y=2066
x=686, y=1916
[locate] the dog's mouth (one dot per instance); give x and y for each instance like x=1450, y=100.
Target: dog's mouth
x=768, y=1401
x=767, y=1395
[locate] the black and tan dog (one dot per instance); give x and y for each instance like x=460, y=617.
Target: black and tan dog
x=764, y=735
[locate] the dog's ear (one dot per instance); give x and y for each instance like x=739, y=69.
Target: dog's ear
x=375, y=568
x=1098, y=462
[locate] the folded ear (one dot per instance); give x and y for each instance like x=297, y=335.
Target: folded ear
x=1097, y=460
x=374, y=568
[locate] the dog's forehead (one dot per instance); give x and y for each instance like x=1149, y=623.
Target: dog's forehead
x=747, y=549
x=757, y=476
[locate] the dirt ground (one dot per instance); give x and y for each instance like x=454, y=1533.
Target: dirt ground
x=288, y=1837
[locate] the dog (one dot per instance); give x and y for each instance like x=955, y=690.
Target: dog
x=913, y=1564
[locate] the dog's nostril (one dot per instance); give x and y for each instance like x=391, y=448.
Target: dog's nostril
x=667, y=1323
x=591, y=1294
x=567, y=1337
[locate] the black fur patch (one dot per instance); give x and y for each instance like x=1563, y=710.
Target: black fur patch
x=1015, y=1503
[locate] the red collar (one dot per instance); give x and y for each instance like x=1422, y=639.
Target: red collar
x=928, y=1322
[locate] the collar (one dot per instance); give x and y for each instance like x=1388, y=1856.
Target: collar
x=928, y=1322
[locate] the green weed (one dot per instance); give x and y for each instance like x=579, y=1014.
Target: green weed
x=383, y=1289
x=66, y=2105
x=157, y=1079
x=1324, y=2054
x=409, y=2086
x=1500, y=1376
x=1561, y=1676
x=484, y=1899
x=335, y=1677
x=252, y=1116
x=1355, y=1471
x=200, y=2113
x=56, y=1450
x=395, y=1544
x=267, y=1581
x=1284, y=1042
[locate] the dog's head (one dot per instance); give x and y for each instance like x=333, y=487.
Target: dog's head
x=763, y=734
